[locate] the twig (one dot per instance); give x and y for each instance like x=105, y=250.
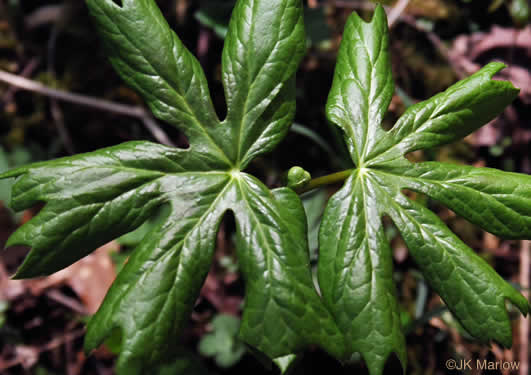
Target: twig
x=44, y=15
x=99, y=104
x=53, y=344
x=26, y=72
x=396, y=12
x=27, y=84
x=58, y=118
x=525, y=266
x=156, y=131
x=71, y=303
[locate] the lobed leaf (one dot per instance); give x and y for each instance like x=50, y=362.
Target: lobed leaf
x=150, y=57
x=363, y=84
x=153, y=295
x=355, y=264
x=473, y=291
x=497, y=201
x=281, y=303
x=263, y=48
x=356, y=275
x=448, y=116
x=96, y=197
x=92, y=199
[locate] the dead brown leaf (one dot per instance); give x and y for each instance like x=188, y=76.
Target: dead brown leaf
x=89, y=278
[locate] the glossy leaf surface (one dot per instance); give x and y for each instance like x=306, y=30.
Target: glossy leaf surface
x=355, y=263
x=96, y=197
x=93, y=198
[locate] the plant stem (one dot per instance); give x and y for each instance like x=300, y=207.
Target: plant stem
x=397, y=10
x=325, y=180
x=99, y=104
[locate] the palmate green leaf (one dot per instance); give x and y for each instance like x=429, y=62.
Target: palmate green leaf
x=96, y=197
x=355, y=262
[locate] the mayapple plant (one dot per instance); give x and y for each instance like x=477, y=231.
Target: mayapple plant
x=95, y=197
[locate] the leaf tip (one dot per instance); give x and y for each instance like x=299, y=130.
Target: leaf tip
x=506, y=341
x=18, y=276
x=287, y=363
x=95, y=337
x=89, y=345
x=402, y=358
x=30, y=268
x=379, y=10
x=13, y=173
x=521, y=303
x=24, y=272
x=17, y=238
x=376, y=364
x=505, y=337
x=379, y=15
x=493, y=68
x=91, y=341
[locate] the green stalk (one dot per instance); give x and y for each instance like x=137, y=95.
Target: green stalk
x=325, y=180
